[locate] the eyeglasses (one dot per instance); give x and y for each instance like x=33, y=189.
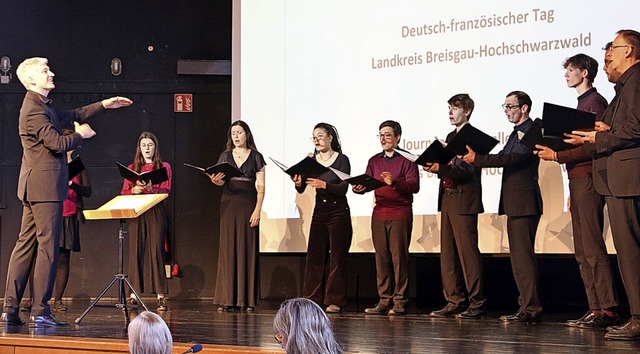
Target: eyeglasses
x=385, y=136
x=620, y=46
x=278, y=338
x=508, y=106
x=318, y=137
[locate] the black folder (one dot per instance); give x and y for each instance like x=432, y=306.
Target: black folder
x=436, y=152
x=479, y=141
x=155, y=176
x=307, y=168
x=369, y=183
x=229, y=170
x=75, y=167
x=558, y=120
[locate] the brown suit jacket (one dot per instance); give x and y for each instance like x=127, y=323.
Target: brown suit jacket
x=44, y=174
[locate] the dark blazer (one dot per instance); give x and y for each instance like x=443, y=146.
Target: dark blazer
x=44, y=174
x=616, y=164
x=520, y=194
x=467, y=179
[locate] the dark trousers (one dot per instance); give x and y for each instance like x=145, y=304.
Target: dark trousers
x=587, y=220
x=146, y=247
x=624, y=216
x=39, y=239
x=329, y=240
x=460, y=260
x=522, y=235
x=391, y=242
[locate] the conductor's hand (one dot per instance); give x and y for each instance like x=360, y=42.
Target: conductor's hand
x=116, y=102
x=316, y=183
x=297, y=179
x=358, y=188
x=84, y=130
x=545, y=153
x=217, y=179
x=470, y=157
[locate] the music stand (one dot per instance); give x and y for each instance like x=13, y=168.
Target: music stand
x=122, y=207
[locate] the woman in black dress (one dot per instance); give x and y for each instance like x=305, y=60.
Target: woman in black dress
x=238, y=279
x=331, y=231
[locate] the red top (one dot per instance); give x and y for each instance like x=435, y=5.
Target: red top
x=70, y=205
x=164, y=187
x=394, y=202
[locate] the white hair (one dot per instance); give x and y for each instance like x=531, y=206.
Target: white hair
x=27, y=67
x=307, y=328
x=149, y=334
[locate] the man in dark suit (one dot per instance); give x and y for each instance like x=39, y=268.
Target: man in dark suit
x=521, y=201
x=616, y=168
x=42, y=187
x=459, y=202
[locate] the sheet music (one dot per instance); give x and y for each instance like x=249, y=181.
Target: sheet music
x=193, y=166
x=279, y=164
x=407, y=155
x=343, y=176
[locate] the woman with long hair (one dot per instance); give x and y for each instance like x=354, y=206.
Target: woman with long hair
x=303, y=328
x=238, y=279
x=148, y=231
x=331, y=231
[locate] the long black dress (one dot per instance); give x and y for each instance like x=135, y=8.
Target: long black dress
x=238, y=279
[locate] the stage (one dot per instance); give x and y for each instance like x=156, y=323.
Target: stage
x=103, y=331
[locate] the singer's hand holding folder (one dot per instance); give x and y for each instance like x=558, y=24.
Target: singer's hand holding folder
x=307, y=168
x=369, y=183
x=155, y=176
x=556, y=121
x=229, y=170
x=75, y=167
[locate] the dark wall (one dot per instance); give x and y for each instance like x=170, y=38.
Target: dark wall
x=80, y=38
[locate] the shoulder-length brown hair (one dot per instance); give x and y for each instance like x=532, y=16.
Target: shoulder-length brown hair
x=250, y=143
x=138, y=160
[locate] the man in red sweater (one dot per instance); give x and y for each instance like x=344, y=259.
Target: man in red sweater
x=392, y=220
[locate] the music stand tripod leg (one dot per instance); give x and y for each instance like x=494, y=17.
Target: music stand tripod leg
x=120, y=277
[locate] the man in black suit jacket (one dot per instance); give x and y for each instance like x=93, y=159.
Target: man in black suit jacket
x=521, y=201
x=459, y=202
x=42, y=187
x=616, y=168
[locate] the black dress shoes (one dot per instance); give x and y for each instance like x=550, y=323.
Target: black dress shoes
x=521, y=317
x=630, y=331
x=599, y=320
x=46, y=321
x=471, y=313
x=11, y=319
x=574, y=323
x=447, y=311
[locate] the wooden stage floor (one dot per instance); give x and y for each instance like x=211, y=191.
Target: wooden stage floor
x=199, y=322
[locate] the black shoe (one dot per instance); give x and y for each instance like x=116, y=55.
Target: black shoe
x=471, y=313
x=599, y=320
x=520, y=316
x=26, y=305
x=586, y=317
x=447, y=311
x=630, y=331
x=398, y=309
x=11, y=319
x=46, y=321
x=227, y=309
x=378, y=310
x=162, y=304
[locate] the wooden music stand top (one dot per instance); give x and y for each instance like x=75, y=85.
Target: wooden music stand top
x=125, y=206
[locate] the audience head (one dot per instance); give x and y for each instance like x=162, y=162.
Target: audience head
x=149, y=334
x=238, y=131
x=303, y=328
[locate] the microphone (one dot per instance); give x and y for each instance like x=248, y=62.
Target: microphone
x=194, y=349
